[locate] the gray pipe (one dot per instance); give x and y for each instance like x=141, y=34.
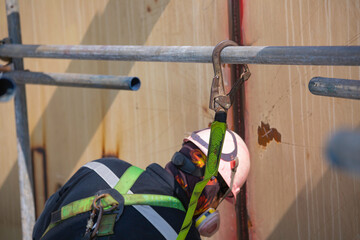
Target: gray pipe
x=27, y=200
x=75, y=80
x=323, y=55
x=7, y=89
x=335, y=87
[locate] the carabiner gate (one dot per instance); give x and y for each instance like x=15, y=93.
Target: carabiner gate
x=219, y=100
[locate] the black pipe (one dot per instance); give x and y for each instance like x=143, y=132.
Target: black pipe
x=7, y=89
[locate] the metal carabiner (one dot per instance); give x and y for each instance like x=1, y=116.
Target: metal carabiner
x=219, y=100
x=98, y=209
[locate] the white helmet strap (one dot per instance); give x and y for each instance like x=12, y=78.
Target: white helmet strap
x=234, y=164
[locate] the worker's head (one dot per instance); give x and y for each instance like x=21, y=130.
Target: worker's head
x=234, y=162
x=188, y=166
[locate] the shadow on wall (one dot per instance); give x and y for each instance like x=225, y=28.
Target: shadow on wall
x=10, y=226
x=325, y=212
x=69, y=102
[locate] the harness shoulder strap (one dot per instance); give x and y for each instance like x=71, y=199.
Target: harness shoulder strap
x=128, y=179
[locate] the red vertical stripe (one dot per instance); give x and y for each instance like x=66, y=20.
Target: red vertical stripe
x=236, y=10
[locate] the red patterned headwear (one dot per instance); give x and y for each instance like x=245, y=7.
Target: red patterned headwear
x=188, y=181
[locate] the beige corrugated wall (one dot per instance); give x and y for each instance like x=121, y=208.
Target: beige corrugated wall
x=292, y=192
x=71, y=126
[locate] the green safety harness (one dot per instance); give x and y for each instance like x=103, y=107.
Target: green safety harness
x=220, y=103
x=108, y=203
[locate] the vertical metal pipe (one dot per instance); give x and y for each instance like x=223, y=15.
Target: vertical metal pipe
x=22, y=130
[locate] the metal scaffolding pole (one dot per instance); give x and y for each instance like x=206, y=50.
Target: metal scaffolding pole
x=323, y=55
x=74, y=80
x=22, y=130
x=335, y=87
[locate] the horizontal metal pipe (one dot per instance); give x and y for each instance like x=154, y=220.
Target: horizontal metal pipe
x=335, y=87
x=321, y=55
x=75, y=80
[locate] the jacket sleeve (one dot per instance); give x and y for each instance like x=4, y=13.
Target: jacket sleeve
x=44, y=219
x=53, y=203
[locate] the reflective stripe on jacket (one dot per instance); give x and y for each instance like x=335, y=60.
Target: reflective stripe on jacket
x=136, y=222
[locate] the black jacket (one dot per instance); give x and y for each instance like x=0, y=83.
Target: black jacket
x=132, y=224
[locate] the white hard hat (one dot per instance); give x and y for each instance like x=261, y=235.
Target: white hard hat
x=234, y=147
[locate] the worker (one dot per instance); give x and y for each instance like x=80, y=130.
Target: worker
x=84, y=207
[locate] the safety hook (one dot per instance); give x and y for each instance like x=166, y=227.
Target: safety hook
x=219, y=100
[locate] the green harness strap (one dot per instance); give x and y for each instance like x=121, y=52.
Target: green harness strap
x=217, y=135
x=124, y=184
x=128, y=179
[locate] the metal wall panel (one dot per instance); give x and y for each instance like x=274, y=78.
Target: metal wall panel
x=292, y=191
